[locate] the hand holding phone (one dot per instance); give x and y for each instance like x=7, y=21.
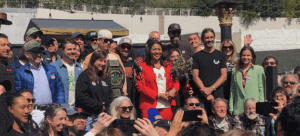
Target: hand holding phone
x=265, y=108
x=191, y=115
x=126, y=125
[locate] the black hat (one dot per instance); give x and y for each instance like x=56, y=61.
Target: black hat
x=74, y=35
x=163, y=124
x=91, y=34
x=72, y=111
x=47, y=39
x=173, y=27
x=6, y=84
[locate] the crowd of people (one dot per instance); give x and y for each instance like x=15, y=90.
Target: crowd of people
x=90, y=82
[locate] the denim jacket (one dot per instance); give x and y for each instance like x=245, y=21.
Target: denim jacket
x=63, y=73
x=24, y=79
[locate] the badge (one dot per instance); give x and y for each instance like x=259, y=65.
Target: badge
x=94, y=83
x=183, y=52
x=103, y=83
x=216, y=62
x=8, y=70
x=248, y=77
x=79, y=68
x=52, y=77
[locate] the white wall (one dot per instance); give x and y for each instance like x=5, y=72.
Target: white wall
x=189, y=24
x=16, y=31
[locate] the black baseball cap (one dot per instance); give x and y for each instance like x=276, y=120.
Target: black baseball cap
x=73, y=111
x=74, y=35
x=163, y=124
x=91, y=34
x=174, y=27
x=47, y=39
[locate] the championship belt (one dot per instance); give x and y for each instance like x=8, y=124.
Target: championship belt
x=117, y=76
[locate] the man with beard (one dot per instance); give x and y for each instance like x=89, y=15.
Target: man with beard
x=195, y=41
x=290, y=84
x=209, y=67
x=125, y=51
x=115, y=67
x=250, y=120
x=220, y=120
x=174, y=32
x=50, y=53
x=6, y=72
x=91, y=40
x=68, y=69
x=75, y=121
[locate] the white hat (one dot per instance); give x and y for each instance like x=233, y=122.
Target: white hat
x=105, y=33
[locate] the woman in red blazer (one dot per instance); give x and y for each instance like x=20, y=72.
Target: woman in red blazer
x=157, y=88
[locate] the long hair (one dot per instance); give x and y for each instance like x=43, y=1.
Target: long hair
x=50, y=112
x=148, y=53
x=240, y=62
x=233, y=55
x=206, y=30
x=116, y=103
x=91, y=70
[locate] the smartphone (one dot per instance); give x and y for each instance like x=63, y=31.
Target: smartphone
x=125, y=125
x=265, y=108
x=191, y=115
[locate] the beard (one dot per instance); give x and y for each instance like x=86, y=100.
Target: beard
x=94, y=47
x=175, y=42
x=251, y=117
x=210, y=45
x=293, y=91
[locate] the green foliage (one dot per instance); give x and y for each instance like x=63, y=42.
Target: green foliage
x=203, y=7
x=291, y=8
x=182, y=65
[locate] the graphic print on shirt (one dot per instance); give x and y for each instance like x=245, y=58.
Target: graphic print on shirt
x=216, y=62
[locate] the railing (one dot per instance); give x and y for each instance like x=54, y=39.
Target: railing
x=99, y=9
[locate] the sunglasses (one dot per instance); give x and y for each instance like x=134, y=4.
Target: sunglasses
x=106, y=40
x=92, y=40
x=125, y=108
x=36, y=36
x=125, y=46
x=267, y=63
x=176, y=32
x=192, y=104
x=227, y=47
x=31, y=100
x=291, y=82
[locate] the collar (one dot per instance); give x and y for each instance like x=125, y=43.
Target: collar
x=215, y=122
x=28, y=66
x=251, y=66
x=32, y=67
x=61, y=64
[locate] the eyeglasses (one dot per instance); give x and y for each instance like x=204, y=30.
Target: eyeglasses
x=192, y=104
x=267, y=63
x=176, y=32
x=92, y=40
x=31, y=100
x=125, y=46
x=227, y=47
x=106, y=40
x=125, y=108
x=291, y=82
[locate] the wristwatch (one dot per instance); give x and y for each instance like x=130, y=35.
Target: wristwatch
x=214, y=88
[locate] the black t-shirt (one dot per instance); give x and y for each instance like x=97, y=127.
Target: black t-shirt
x=13, y=132
x=6, y=73
x=129, y=79
x=186, y=49
x=209, y=66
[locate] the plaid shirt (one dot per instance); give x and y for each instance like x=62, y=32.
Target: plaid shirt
x=242, y=122
x=224, y=126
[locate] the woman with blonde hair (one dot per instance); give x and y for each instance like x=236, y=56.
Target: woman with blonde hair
x=228, y=47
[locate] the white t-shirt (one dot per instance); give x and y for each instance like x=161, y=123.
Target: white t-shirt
x=72, y=82
x=162, y=88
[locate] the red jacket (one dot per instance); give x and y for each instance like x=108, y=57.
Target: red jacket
x=149, y=90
